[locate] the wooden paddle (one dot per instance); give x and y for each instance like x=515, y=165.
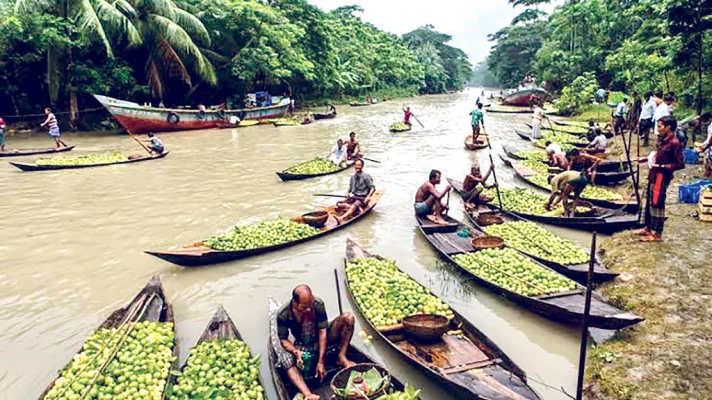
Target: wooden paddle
x=340, y=196
x=421, y=124
x=139, y=142
x=371, y=160
x=494, y=174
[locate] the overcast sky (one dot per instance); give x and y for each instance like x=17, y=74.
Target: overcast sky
x=467, y=21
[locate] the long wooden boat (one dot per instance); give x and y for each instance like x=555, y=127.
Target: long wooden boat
x=32, y=152
x=143, y=119
x=524, y=98
x=284, y=387
x=577, y=272
x=576, y=130
x=481, y=144
x=525, y=174
x=197, y=254
x=603, y=166
x=34, y=167
x=567, y=307
x=598, y=221
x=466, y=361
x=408, y=128
x=220, y=327
x=318, y=117
x=150, y=304
x=357, y=104
x=286, y=176
x=510, y=110
x=527, y=137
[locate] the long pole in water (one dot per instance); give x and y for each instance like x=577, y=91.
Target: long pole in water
x=494, y=174
x=584, y=328
x=338, y=290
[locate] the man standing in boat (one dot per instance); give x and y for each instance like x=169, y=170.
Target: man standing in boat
x=361, y=189
x=316, y=340
x=663, y=162
x=54, y=132
x=428, y=202
x=536, y=120
x=406, y=115
x=478, y=118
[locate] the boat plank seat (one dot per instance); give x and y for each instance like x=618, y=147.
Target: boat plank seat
x=430, y=226
x=492, y=382
x=451, y=243
x=450, y=352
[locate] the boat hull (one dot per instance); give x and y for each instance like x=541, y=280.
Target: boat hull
x=140, y=119
x=32, y=152
x=33, y=168
x=524, y=98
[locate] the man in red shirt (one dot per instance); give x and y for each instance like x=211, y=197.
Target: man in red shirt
x=663, y=162
x=406, y=115
x=2, y=135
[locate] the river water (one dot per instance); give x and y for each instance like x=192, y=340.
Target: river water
x=72, y=242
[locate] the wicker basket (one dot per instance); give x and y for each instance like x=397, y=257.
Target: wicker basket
x=426, y=327
x=487, y=220
x=487, y=242
x=341, y=379
x=316, y=219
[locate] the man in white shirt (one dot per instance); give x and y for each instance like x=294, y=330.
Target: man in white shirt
x=662, y=110
x=536, y=121
x=646, y=117
x=599, y=143
x=621, y=112
x=705, y=118
x=338, y=153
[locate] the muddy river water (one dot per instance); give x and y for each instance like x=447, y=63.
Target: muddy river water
x=72, y=242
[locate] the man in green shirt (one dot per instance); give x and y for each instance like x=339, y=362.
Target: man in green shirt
x=478, y=118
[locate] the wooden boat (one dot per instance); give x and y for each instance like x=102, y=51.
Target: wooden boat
x=393, y=129
x=286, y=122
x=465, y=361
x=143, y=119
x=197, y=254
x=220, y=327
x=525, y=174
x=526, y=136
x=509, y=110
x=603, y=166
x=524, y=98
x=565, y=307
x=318, y=117
x=602, y=178
x=577, y=272
x=286, y=176
x=284, y=387
x=32, y=152
x=358, y=104
x=34, y=167
x=150, y=304
x=576, y=129
x=598, y=221
x=482, y=142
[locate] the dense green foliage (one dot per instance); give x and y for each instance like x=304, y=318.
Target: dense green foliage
x=627, y=45
x=202, y=51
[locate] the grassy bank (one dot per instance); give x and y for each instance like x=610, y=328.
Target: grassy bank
x=670, y=284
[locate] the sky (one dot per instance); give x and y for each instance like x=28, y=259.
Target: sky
x=467, y=21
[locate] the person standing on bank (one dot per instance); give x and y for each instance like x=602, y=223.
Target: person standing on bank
x=536, y=121
x=54, y=132
x=663, y=162
x=634, y=112
x=645, y=124
x=620, y=115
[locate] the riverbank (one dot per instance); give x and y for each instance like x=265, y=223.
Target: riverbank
x=670, y=284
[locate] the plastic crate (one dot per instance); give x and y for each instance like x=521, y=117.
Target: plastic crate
x=690, y=156
x=690, y=193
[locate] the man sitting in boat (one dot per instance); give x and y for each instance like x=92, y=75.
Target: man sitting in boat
x=361, y=189
x=473, y=185
x=353, y=148
x=316, y=340
x=478, y=118
x=566, y=183
x=579, y=161
x=155, y=144
x=428, y=202
x=598, y=144
x=330, y=109
x=338, y=153
x=308, y=118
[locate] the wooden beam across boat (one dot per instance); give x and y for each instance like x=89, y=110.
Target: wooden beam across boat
x=564, y=307
x=197, y=254
x=465, y=361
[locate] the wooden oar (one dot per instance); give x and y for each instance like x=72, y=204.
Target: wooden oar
x=416, y=118
x=371, y=160
x=340, y=196
x=139, y=142
x=494, y=174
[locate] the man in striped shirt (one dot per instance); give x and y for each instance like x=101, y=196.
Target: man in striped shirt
x=51, y=122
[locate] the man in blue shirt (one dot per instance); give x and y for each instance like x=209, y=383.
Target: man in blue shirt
x=619, y=116
x=646, y=117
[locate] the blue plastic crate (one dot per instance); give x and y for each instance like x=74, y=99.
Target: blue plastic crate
x=690, y=193
x=690, y=156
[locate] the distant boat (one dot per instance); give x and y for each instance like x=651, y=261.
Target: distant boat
x=142, y=119
x=523, y=98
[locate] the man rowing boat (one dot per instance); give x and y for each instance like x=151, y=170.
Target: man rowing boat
x=361, y=189
x=406, y=115
x=428, y=202
x=473, y=185
x=316, y=340
x=478, y=118
x=353, y=148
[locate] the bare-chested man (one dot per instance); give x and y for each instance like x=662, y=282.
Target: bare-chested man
x=353, y=148
x=428, y=202
x=473, y=186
